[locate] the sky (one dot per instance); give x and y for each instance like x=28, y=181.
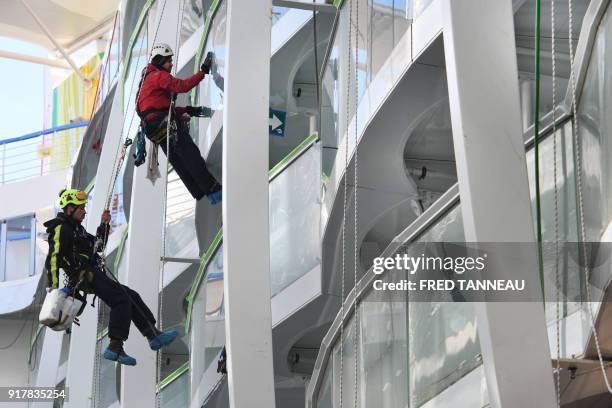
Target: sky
x=22, y=85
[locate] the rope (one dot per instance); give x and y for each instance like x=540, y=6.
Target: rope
x=355, y=206
x=578, y=144
x=536, y=133
x=344, y=206
x=554, y=133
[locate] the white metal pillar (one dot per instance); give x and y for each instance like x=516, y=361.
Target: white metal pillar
x=144, y=245
x=246, y=245
x=49, y=363
x=83, y=339
x=487, y=132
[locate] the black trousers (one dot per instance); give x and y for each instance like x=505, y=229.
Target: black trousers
x=122, y=310
x=185, y=158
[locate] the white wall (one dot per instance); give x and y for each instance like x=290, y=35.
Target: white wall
x=14, y=360
x=33, y=194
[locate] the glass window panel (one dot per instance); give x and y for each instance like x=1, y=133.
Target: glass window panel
x=108, y=379
x=193, y=15
x=384, y=351
x=278, y=12
x=18, y=247
x=177, y=393
x=324, y=400
x=593, y=124
x=181, y=240
x=294, y=220
x=402, y=18
x=381, y=34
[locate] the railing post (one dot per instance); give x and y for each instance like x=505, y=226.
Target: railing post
x=3, y=161
x=32, y=245
x=3, y=251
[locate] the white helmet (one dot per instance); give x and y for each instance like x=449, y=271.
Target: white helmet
x=161, y=49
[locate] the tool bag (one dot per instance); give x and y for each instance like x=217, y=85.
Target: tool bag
x=59, y=310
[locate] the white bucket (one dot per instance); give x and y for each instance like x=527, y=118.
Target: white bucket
x=58, y=311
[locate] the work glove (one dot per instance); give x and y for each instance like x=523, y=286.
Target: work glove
x=208, y=62
x=198, y=111
x=66, y=291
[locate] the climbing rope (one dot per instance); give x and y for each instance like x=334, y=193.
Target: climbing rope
x=355, y=206
x=584, y=238
x=554, y=135
x=536, y=138
x=344, y=204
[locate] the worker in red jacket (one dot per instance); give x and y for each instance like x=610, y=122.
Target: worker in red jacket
x=157, y=88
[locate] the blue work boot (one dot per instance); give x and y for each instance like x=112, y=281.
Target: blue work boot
x=163, y=339
x=215, y=198
x=214, y=195
x=115, y=352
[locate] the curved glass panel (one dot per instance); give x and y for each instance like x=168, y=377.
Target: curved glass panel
x=373, y=28
x=181, y=240
x=295, y=220
x=176, y=394
x=325, y=399
x=384, y=345
x=594, y=123
x=410, y=352
x=193, y=15
x=211, y=88
x=206, y=313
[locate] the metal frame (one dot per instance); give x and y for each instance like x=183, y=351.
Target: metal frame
x=173, y=376
x=51, y=38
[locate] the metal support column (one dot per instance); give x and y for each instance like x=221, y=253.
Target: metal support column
x=144, y=244
x=246, y=246
x=83, y=339
x=485, y=112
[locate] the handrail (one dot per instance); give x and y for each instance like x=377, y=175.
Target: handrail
x=182, y=369
x=49, y=131
x=212, y=249
x=291, y=156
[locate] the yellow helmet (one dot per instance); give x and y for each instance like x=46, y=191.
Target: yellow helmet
x=72, y=196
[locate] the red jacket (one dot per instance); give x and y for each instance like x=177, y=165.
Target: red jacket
x=158, y=85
